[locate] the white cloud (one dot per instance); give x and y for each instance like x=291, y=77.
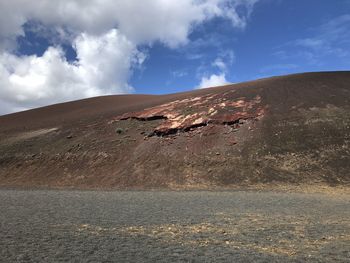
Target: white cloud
x=140, y=21
x=220, y=64
x=229, y=10
x=102, y=68
x=224, y=60
x=213, y=81
x=106, y=35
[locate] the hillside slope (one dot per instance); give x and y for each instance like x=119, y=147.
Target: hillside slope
x=293, y=129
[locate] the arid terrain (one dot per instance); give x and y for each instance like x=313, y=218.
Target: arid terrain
x=289, y=130
x=173, y=226
x=272, y=155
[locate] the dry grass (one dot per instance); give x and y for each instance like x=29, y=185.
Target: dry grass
x=276, y=235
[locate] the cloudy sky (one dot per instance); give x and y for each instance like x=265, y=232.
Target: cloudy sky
x=55, y=51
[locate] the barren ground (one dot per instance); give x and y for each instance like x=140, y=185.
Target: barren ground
x=169, y=226
x=284, y=130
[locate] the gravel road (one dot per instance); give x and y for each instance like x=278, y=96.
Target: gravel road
x=170, y=226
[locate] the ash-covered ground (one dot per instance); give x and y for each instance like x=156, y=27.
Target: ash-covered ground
x=168, y=226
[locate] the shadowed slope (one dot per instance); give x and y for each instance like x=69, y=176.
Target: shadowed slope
x=290, y=129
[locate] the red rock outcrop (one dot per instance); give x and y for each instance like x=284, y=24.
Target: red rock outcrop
x=184, y=115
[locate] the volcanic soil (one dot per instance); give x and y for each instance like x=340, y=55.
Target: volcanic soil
x=289, y=130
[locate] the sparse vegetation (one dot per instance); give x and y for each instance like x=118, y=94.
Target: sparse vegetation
x=119, y=130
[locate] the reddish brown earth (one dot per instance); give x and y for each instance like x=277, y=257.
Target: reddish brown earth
x=287, y=130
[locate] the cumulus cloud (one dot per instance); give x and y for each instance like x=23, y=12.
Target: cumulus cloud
x=102, y=67
x=213, y=81
x=106, y=35
x=140, y=21
x=222, y=64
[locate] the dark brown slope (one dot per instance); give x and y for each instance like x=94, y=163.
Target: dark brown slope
x=291, y=129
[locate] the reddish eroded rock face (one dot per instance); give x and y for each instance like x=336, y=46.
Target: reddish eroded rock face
x=187, y=114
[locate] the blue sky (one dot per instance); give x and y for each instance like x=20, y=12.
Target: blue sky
x=57, y=52
x=268, y=46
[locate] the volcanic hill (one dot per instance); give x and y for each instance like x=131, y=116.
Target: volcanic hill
x=292, y=129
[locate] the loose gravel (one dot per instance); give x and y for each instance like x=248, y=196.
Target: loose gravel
x=170, y=226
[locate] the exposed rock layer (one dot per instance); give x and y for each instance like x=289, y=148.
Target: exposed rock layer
x=190, y=113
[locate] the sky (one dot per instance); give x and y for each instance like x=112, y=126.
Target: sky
x=63, y=50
